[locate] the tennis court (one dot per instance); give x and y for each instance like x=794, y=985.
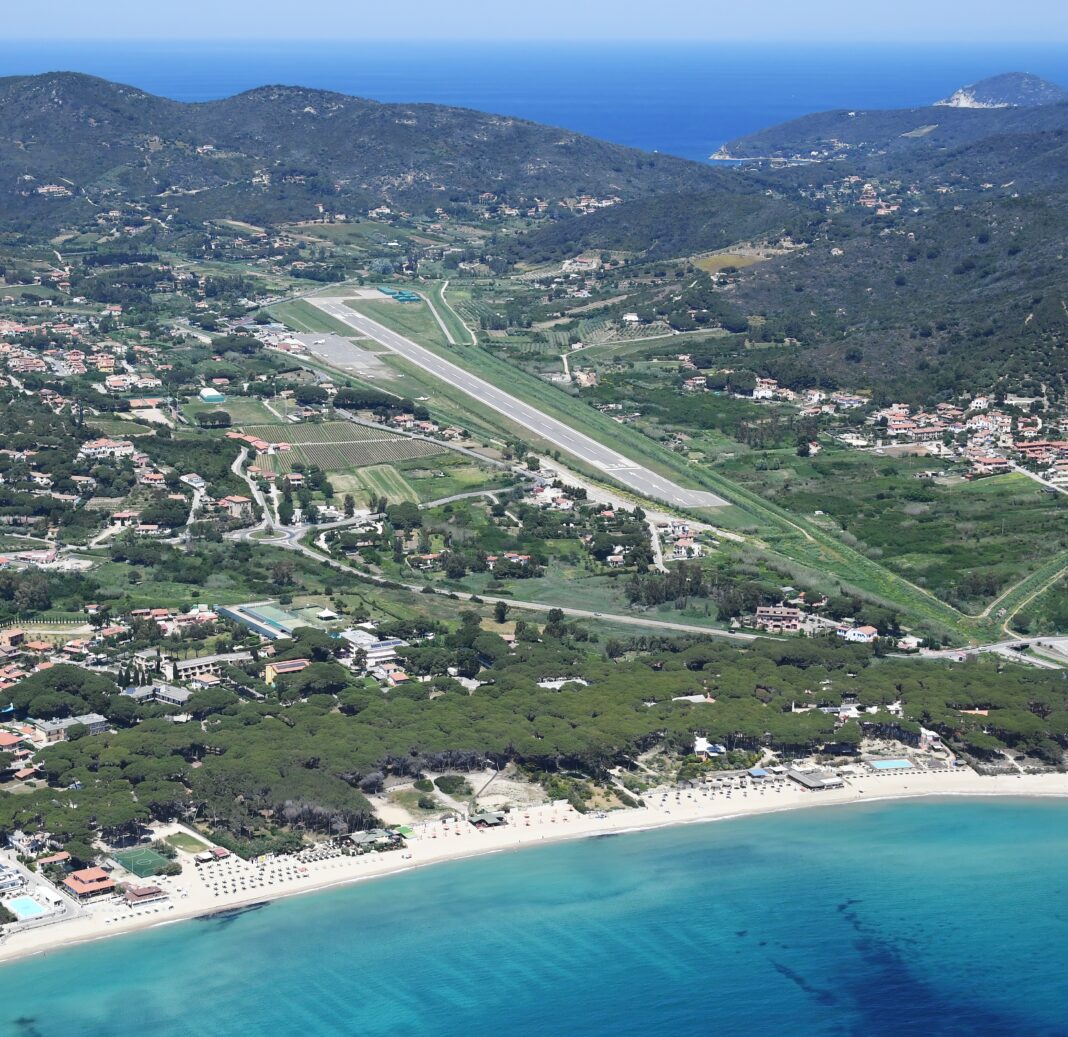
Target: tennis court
x=141, y=861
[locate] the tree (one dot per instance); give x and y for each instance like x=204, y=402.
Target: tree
x=319, y=679
x=282, y=573
x=500, y=611
x=350, y=505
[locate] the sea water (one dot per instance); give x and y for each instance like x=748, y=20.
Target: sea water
x=682, y=99
x=928, y=918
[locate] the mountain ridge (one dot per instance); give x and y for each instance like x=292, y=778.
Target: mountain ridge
x=112, y=141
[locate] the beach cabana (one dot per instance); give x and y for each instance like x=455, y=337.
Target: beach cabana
x=488, y=819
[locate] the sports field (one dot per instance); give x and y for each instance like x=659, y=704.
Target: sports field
x=141, y=861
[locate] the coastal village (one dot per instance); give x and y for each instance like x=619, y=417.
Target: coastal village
x=163, y=418
x=983, y=435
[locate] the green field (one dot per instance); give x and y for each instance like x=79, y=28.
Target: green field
x=141, y=861
x=450, y=474
x=361, y=234
x=119, y=428
x=965, y=541
x=413, y=319
x=181, y=841
x=337, y=446
x=242, y=410
x=384, y=481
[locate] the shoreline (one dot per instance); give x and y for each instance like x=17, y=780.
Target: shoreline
x=438, y=843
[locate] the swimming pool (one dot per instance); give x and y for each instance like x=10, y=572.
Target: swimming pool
x=24, y=908
x=891, y=765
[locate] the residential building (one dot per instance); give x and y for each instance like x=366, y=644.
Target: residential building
x=778, y=619
x=187, y=669
x=283, y=668
x=56, y=730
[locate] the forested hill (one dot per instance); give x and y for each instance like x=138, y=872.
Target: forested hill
x=897, y=133
x=275, y=152
x=1009, y=90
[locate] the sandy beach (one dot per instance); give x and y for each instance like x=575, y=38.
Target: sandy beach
x=234, y=883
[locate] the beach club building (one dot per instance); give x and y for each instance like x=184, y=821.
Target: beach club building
x=89, y=883
x=815, y=780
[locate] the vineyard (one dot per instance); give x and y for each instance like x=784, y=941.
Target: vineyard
x=326, y=432
x=334, y=457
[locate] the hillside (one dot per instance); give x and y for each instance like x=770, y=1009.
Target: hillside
x=278, y=152
x=893, y=132
x=1010, y=90
x=948, y=274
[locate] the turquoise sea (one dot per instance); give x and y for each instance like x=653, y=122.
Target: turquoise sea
x=931, y=918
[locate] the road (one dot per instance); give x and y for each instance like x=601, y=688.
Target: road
x=641, y=480
x=289, y=538
x=1053, y=487
x=1050, y=646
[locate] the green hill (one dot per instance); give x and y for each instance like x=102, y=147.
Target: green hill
x=277, y=152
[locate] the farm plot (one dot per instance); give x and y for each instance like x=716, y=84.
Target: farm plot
x=386, y=481
x=324, y=432
x=338, y=446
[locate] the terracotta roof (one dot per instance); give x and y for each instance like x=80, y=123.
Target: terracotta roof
x=89, y=880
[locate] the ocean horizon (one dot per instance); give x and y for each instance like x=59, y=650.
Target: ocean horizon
x=680, y=99
x=942, y=917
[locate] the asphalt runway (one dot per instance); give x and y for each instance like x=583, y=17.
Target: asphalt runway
x=641, y=480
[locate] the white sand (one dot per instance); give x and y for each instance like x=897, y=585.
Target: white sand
x=242, y=883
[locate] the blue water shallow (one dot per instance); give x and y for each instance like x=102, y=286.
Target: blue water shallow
x=935, y=918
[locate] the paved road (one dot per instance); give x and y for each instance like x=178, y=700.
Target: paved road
x=289, y=538
x=1049, y=646
x=641, y=480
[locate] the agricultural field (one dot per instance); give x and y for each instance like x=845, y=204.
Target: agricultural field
x=363, y=234
x=347, y=452
x=339, y=457
x=381, y=480
x=966, y=542
x=725, y=261
x=452, y=474
x=318, y=432
x=340, y=445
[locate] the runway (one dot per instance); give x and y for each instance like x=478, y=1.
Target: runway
x=641, y=480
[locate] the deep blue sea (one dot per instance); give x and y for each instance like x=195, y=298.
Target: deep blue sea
x=931, y=918
x=681, y=99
